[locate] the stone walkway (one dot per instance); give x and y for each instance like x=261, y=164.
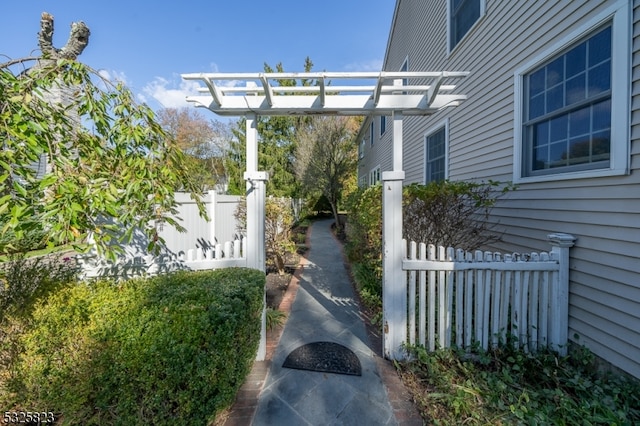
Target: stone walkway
x=322, y=306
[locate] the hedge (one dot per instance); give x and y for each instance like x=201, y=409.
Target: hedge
x=172, y=349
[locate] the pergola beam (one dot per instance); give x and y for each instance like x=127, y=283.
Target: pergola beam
x=369, y=94
x=365, y=93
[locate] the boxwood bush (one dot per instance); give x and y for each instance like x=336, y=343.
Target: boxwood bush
x=172, y=349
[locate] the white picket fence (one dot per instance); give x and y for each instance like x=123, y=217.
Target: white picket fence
x=135, y=261
x=466, y=299
x=227, y=255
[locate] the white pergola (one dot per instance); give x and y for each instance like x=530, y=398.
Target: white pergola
x=395, y=94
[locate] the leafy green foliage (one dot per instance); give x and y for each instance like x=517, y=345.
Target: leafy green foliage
x=204, y=142
x=276, y=147
x=364, y=244
x=508, y=386
x=108, y=158
x=274, y=318
x=277, y=229
x=172, y=349
x=326, y=158
x=22, y=281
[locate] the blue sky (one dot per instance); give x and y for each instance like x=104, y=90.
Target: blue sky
x=149, y=44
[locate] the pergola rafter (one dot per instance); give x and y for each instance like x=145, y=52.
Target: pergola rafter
x=337, y=93
x=394, y=94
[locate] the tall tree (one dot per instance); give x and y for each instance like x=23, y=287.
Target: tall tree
x=276, y=145
x=326, y=157
x=112, y=170
x=206, y=143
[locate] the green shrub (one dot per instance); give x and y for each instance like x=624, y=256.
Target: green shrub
x=172, y=349
x=509, y=386
x=279, y=220
x=24, y=280
x=445, y=213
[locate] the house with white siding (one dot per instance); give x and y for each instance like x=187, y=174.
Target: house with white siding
x=553, y=105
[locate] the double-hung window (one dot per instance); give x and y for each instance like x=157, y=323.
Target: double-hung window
x=374, y=176
x=572, y=119
x=462, y=15
x=435, y=146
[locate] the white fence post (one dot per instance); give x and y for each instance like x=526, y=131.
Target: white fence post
x=394, y=281
x=561, y=243
x=256, y=189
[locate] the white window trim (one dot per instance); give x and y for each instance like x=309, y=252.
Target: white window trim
x=444, y=123
x=620, y=14
x=483, y=9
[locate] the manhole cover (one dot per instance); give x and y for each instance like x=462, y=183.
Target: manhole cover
x=326, y=357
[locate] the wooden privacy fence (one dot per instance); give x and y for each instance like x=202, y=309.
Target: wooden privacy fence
x=463, y=299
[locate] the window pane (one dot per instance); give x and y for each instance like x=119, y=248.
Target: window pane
x=555, y=98
x=558, y=128
x=601, y=145
x=536, y=82
x=558, y=154
x=602, y=115
x=577, y=60
x=579, y=122
x=541, y=158
x=600, y=79
x=536, y=106
x=600, y=47
x=576, y=89
x=555, y=72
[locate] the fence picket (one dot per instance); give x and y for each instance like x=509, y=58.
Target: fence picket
x=496, y=302
x=412, y=297
x=534, y=301
x=442, y=307
x=460, y=291
x=449, y=290
x=431, y=254
x=423, y=296
x=468, y=304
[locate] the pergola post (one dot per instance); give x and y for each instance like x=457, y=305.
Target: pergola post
x=255, y=197
x=394, y=287
x=397, y=94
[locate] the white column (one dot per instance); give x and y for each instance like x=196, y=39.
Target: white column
x=255, y=196
x=394, y=280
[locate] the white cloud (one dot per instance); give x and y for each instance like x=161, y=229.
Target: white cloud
x=169, y=94
x=113, y=76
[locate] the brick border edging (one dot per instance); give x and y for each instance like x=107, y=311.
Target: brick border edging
x=244, y=408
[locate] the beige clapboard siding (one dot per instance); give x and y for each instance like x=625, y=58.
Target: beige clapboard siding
x=602, y=212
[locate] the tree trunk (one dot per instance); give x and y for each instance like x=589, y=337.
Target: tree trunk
x=76, y=43
x=78, y=39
